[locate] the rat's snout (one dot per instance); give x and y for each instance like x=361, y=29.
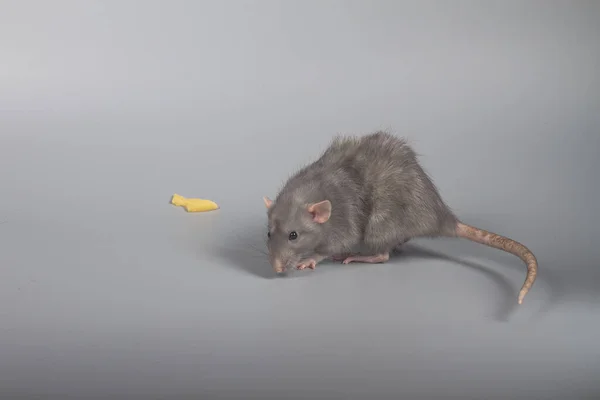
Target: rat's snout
x=278, y=258
x=278, y=265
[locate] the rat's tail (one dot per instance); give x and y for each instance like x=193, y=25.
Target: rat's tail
x=506, y=244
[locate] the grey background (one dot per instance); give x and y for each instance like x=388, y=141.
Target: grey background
x=108, y=108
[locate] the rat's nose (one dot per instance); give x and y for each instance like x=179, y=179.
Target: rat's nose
x=278, y=266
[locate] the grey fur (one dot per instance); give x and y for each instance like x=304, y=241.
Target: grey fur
x=380, y=195
x=380, y=198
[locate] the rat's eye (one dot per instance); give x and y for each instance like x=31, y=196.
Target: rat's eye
x=268, y=234
x=293, y=235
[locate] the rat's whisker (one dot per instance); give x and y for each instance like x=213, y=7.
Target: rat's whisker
x=256, y=249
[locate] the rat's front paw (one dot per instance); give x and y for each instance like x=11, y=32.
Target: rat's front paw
x=310, y=263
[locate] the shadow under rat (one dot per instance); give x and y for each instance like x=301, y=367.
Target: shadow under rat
x=247, y=253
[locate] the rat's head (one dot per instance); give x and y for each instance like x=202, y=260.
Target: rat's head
x=295, y=229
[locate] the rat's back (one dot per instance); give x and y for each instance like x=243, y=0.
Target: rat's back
x=398, y=195
x=374, y=154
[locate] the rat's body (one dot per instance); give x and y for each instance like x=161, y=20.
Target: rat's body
x=361, y=199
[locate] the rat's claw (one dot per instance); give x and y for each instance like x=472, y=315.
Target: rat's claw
x=301, y=266
x=307, y=263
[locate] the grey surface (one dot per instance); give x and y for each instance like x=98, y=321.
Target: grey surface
x=108, y=108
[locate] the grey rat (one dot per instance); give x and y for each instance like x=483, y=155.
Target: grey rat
x=364, y=197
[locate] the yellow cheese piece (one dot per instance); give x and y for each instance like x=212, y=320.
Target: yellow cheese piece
x=193, y=205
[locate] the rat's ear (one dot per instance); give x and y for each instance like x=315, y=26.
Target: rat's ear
x=320, y=211
x=268, y=202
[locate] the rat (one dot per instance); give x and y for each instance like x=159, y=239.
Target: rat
x=364, y=197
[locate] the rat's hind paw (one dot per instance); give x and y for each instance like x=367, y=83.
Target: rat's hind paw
x=378, y=258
